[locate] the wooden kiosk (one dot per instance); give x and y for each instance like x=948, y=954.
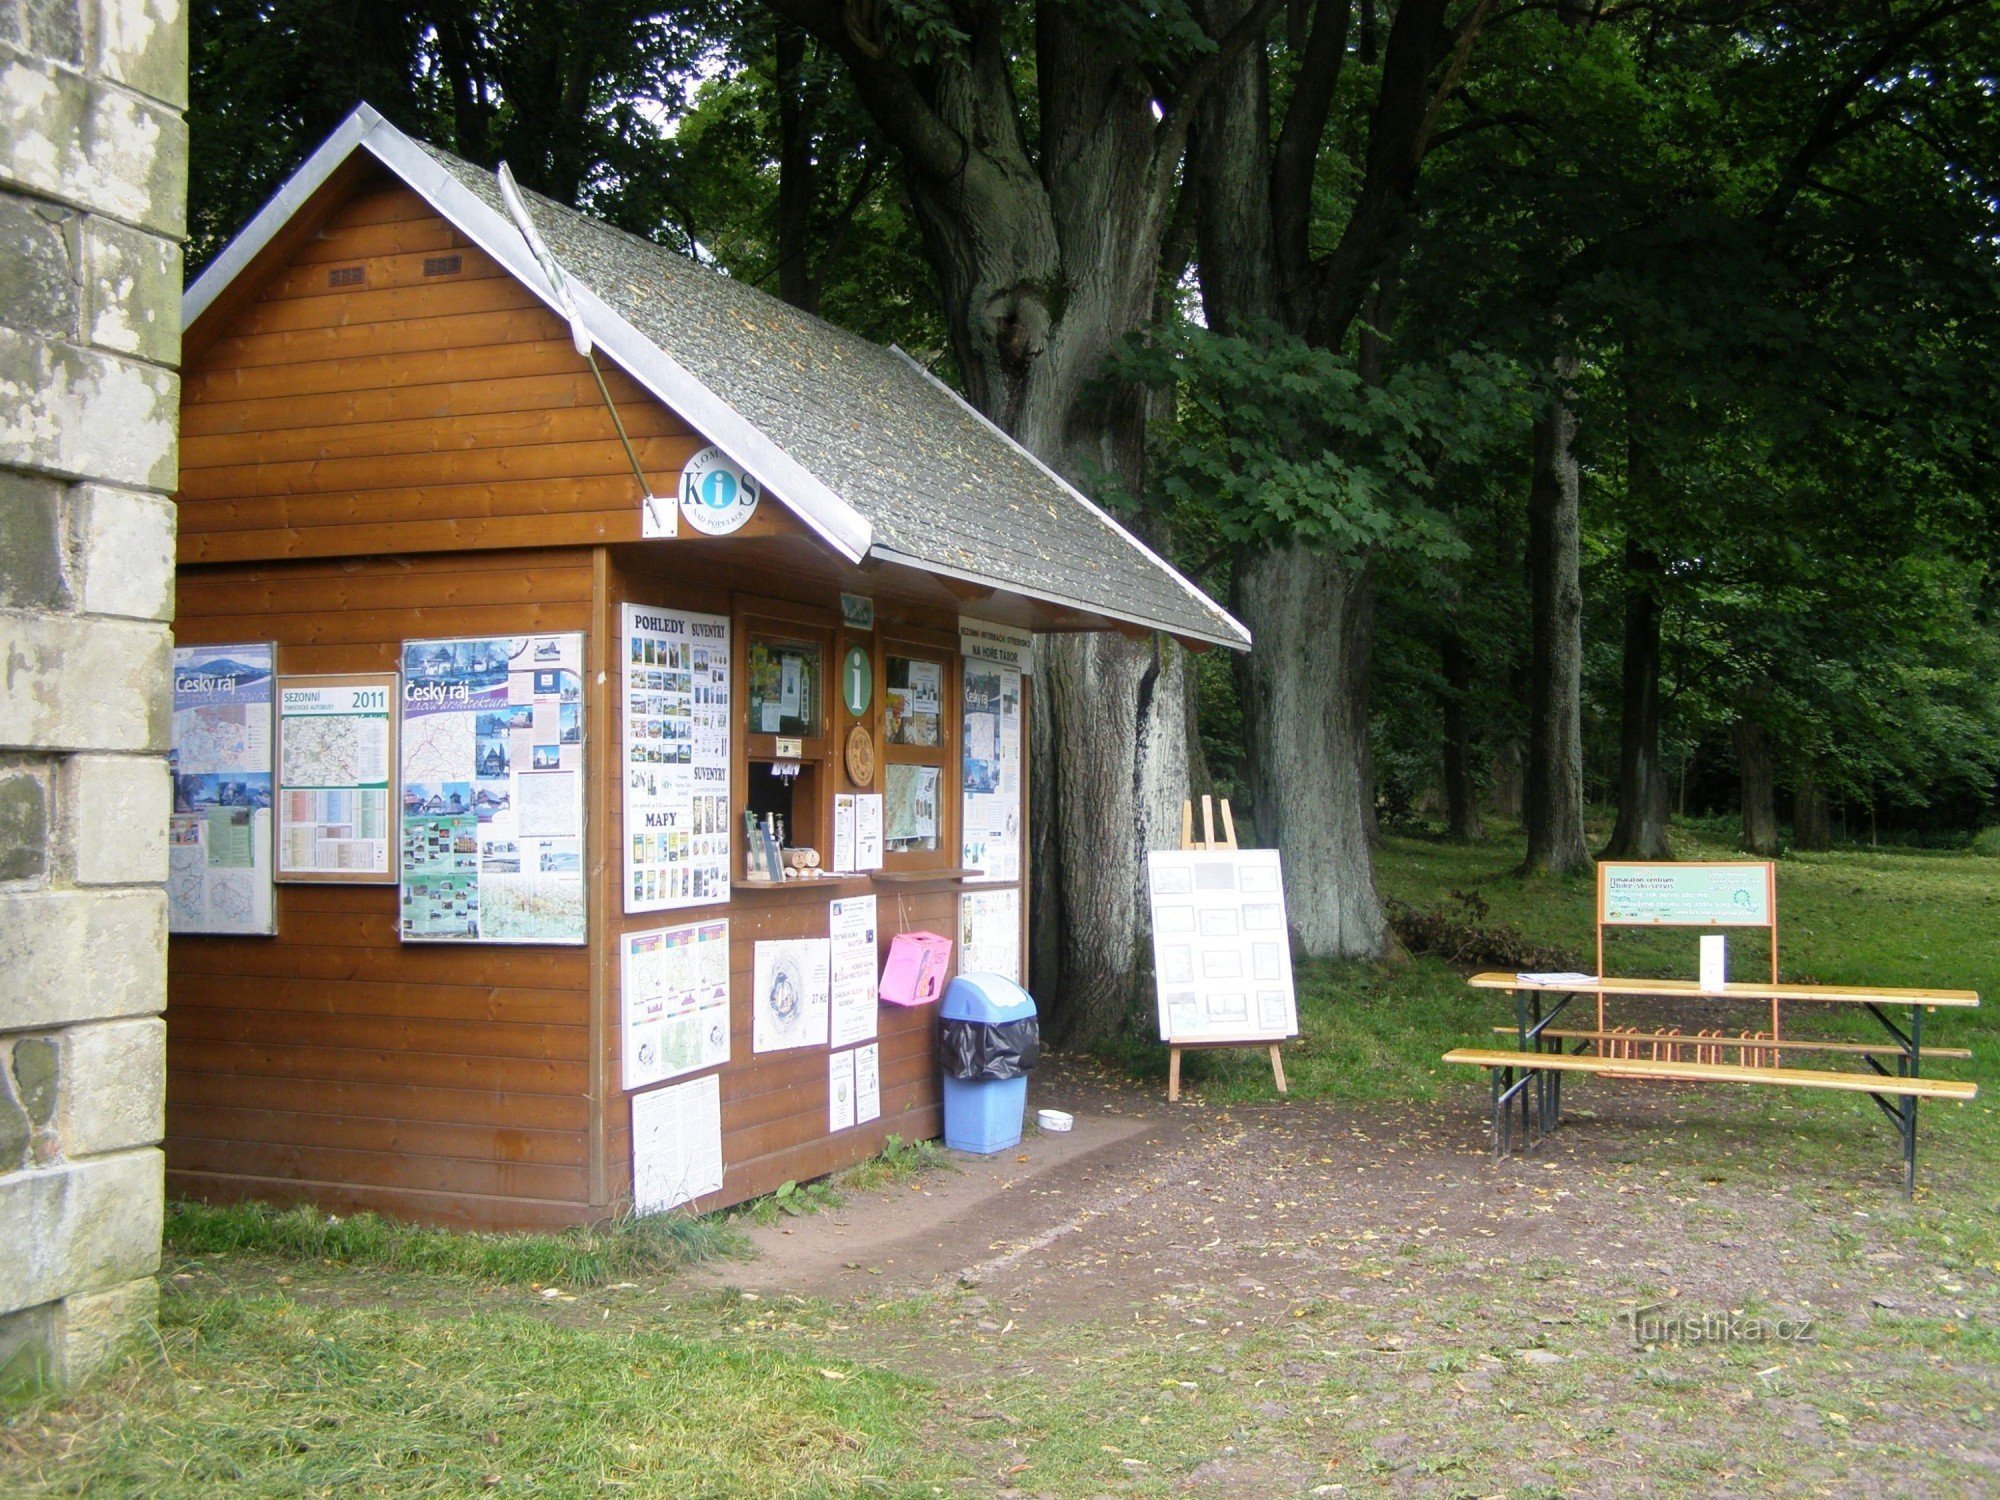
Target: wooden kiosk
x=400, y=467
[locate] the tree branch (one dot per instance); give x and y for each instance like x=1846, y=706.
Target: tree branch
x=1297, y=153
x=887, y=87
x=1201, y=74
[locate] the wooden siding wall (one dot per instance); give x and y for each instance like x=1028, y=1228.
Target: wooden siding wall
x=334, y=1062
x=406, y=413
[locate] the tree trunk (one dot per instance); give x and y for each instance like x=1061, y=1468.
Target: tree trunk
x=1461, y=787
x=1641, y=830
x=1552, y=794
x=1305, y=716
x=1504, y=789
x=796, y=283
x=1812, y=830
x=1117, y=796
x=1760, y=803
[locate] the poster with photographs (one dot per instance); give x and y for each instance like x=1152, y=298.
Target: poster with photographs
x=492, y=790
x=677, y=829
x=1222, y=954
x=219, y=833
x=674, y=988
x=990, y=824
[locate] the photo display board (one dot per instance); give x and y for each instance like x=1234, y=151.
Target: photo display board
x=674, y=985
x=219, y=833
x=336, y=753
x=1222, y=956
x=492, y=790
x=677, y=827
x=990, y=825
x=1732, y=893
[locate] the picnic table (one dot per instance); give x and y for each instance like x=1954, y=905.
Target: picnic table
x=1532, y=1071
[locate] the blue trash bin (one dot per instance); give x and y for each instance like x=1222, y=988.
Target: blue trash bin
x=979, y=1033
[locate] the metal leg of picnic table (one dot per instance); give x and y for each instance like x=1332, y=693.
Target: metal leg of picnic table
x=1494, y=1074
x=1910, y=1103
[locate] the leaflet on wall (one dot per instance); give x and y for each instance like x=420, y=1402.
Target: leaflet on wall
x=674, y=985
x=843, y=833
x=336, y=751
x=676, y=1144
x=677, y=827
x=989, y=933
x=853, y=966
x=1222, y=954
x=492, y=793
x=990, y=825
x=868, y=820
x=219, y=833
x=867, y=1083
x=839, y=1092
x=789, y=983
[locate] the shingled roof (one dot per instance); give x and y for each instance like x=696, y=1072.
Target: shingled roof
x=874, y=453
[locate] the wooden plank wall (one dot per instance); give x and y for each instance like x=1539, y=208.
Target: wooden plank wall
x=334, y=1062
x=406, y=412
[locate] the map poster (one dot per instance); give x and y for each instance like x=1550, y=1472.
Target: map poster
x=492, y=790
x=1222, y=954
x=336, y=749
x=989, y=933
x=990, y=825
x=677, y=825
x=854, y=966
x=674, y=984
x=676, y=1144
x=219, y=833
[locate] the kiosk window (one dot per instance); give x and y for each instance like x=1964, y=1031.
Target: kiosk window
x=784, y=688
x=917, y=780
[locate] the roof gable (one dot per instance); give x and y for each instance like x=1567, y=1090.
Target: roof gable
x=872, y=453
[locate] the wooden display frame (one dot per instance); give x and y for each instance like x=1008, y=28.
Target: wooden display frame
x=391, y=684
x=1208, y=840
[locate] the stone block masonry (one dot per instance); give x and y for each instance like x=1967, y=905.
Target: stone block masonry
x=93, y=191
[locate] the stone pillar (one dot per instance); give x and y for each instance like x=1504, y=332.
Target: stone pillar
x=93, y=177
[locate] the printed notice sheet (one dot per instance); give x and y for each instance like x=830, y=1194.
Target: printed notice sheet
x=219, y=833
x=990, y=825
x=677, y=827
x=989, y=933
x=336, y=817
x=790, y=995
x=674, y=982
x=492, y=794
x=867, y=1083
x=853, y=968
x=839, y=1091
x=1222, y=955
x=676, y=1144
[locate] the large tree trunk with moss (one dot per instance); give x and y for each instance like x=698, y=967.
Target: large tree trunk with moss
x=1552, y=791
x=1047, y=251
x=1305, y=716
x=1641, y=829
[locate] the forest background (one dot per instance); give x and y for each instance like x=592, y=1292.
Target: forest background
x=1588, y=405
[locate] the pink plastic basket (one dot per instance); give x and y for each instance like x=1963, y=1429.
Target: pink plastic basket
x=915, y=972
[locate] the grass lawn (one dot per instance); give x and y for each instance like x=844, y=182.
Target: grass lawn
x=303, y=1356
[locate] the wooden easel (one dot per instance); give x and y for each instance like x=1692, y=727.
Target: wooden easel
x=1208, y=840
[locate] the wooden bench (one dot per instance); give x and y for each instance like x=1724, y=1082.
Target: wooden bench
x=1880, y=1086
x=1739, y=1043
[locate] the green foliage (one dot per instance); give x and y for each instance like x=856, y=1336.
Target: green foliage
x=654, y=1245
x=1284, y=442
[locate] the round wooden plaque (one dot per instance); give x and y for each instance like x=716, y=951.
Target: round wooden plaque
x=860, y=756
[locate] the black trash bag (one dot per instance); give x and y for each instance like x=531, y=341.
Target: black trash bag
x=988, y=1051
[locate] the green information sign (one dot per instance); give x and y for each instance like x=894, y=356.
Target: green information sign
x=1685, y=895
x=857, y=681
